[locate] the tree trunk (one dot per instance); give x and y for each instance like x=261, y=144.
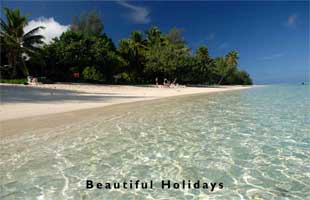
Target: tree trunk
x=222, y=78
x=12, y=63
x=24, y=68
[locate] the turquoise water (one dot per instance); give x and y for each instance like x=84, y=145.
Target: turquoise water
x=256, y=142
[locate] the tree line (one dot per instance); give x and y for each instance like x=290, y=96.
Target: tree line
x=86, y=53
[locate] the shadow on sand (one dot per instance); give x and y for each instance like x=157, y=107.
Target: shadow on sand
x=20, y=94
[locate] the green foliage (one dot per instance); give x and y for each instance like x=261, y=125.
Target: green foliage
x=14, y=81
x=153, y=36
x=88, y=23
x=186, y=72
x=133, y=51
x=87, y=51
x=232, y=59
x=202, y=70
x=239, y=77
x=92, y=74
x=74, y=50
x=221, y=68
x=163, y=60
x=126, y=78
x=226, y=67
x=175, y=37
x=202, y=54
x=165, y=53
x=15, y=43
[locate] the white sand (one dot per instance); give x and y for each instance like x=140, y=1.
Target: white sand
x=19, y=101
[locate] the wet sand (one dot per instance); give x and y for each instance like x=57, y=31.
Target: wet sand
x=29, y=107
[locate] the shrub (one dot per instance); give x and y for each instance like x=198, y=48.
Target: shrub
x=14, y=81
x=92, y=74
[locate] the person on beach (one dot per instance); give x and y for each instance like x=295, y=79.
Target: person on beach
x=165, y=82
x=173, y=84
x=168, y=83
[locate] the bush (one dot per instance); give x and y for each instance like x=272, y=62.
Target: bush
x=242, y=78
x=92, y=74
x=45, y=80
x=126, y=77
x=14, y=81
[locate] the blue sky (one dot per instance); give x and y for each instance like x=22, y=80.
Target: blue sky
x=272, y=38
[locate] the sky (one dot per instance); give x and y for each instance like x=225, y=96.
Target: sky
x=272, y=37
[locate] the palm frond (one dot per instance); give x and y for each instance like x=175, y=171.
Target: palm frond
x=34, y=42
x=4, y=26
x=9, y=40
x=33, y=31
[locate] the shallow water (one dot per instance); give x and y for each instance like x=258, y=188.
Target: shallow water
x=256, y=142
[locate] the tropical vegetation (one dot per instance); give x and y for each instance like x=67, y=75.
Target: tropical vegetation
x=16, y=45
x=86, y=53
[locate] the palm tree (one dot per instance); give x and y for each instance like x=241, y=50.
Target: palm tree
x=153, y=36
x=138, y=46
x=133, y=50
x=137, y=41
x=16, y=43
x=227, y=65
x=221, y=68
x=202, y=54
x=136, y=36
x=232, y=58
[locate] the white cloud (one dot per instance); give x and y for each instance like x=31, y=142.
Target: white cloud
x=52, y=28
x=273, y=56
x=138, y=14
x=292, y=20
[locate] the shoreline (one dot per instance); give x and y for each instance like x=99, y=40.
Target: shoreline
x=62, y=110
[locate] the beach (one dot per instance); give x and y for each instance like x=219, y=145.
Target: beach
x=249, y=144
x=154, y=100
x=25, y=101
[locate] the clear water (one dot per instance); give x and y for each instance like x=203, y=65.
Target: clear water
x=257, y=142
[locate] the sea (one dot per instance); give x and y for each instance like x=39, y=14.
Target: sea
x=256, y=142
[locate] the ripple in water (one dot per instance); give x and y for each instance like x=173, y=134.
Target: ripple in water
x=254, y=141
